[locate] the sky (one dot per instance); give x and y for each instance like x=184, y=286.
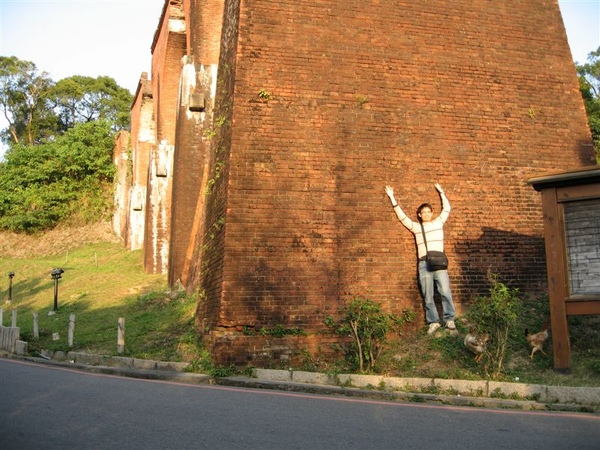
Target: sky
x=82, y=37
x=113, y=37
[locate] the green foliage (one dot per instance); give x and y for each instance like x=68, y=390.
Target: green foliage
x=23, y=100
x=495, y=314
x=263, y=94
x=201, y=363
x=222, y=371
x=278, y=331
x=71, y=177
x=58, y=167
x=39, y=110
x=594, y=366
x=368, y=326
x=80, y=99
x=589, y=85
x=204, y=364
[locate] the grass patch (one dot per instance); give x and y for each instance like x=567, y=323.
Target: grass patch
x=102, y=282
x=445, y=357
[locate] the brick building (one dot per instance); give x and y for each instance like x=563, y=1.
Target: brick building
x=262, y=143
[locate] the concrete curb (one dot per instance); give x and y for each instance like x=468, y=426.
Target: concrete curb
x=528, y=396
x=467, y=393
x=413, y=397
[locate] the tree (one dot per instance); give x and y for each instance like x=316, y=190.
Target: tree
x=80, y=99
x=69, y=178
x=589, y=84
x=58, y=166
x=22, y=98
x=39, y=110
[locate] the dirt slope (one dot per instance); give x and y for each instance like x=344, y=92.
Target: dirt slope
x=54, y=242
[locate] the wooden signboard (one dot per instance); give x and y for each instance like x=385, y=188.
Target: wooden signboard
x=571, y=211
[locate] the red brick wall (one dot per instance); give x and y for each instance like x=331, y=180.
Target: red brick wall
x=474, y=95
x=206, y=273
x=122, y=161
x=168, y=49
x=193, y=147
x=142, y=131
x=142, y=141
x=205, y=18
x=190, y=153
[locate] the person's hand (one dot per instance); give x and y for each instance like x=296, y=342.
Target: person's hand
x=439, y=188
x=390, y=192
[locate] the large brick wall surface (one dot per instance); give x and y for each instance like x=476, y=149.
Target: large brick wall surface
x=143, y=140
x=121, y=160
x=192, y=157
x=168, y=49
x=323, y=103
x=269, y=202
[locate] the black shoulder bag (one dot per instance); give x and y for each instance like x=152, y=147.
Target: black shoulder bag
x=435, y=260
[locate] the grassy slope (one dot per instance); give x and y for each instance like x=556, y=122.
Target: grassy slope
x=445, y=356
x=103, y=282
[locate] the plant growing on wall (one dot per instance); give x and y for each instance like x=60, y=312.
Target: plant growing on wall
x=264, y=95
x=367, y=325
x=362, y=99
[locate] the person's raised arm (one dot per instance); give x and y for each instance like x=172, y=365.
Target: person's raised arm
x=402, y=217
x=445, y=202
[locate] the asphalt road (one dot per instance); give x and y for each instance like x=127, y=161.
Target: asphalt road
x=49, y=407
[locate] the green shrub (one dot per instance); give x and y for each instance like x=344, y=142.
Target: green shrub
x=495, y=314
x=368, y=326
x=69, y=178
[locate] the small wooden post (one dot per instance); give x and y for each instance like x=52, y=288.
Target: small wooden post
x=71, y=329
x=36, y=327
x=1, y=317
x=121, y=335
x=14, y=318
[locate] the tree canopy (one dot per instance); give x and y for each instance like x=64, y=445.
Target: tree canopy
x=81, y=99
x=589, y=84
x=68, y=179
x=22, y=98
x=38, y=110
x=60, y=136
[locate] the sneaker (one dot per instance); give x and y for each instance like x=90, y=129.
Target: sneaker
x=451, y=325
x=433, y=327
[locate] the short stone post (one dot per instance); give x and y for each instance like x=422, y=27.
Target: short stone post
x=14, y=318
x=36, y=326
x=121, y=335
x=71, y=329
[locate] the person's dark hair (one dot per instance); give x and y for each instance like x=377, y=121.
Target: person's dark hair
x=420, y=208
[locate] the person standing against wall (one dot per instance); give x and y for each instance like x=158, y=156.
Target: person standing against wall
x=429, y=280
